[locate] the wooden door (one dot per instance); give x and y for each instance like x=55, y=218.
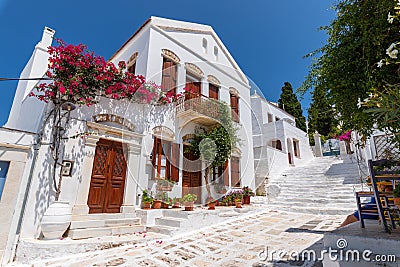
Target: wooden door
x=107, y=183
x=191, y=175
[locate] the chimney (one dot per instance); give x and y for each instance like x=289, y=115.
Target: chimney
x=47, y=37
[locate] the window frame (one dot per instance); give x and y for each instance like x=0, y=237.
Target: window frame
x=157, y=157
x=168, y=72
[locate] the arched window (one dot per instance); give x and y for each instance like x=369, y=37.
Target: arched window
x=169, y=71
x=205, y=45
x=216, y=53
x=131, y=64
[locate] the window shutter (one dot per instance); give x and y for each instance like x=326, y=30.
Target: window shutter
x=226, y=174
x=154, y=157
x=166, y=151
x=168, y=76
x=235, y=107
x=235, y=171
x=175, y=152
x=132, y=68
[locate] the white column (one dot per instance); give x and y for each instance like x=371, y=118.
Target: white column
x=81, y=207
x=132, y=178
x=318, y=147
x=204, y=86
x=181, y=77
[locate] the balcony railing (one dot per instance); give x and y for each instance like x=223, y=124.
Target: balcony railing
x=200, y=104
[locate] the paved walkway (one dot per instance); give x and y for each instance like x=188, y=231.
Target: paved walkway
x=233, y=243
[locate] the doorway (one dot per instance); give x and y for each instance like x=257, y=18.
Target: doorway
x=191, y=175
x=107, y=183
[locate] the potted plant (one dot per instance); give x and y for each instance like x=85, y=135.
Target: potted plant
x=147, y=199
x=188, y=201
x=165, y=185
x=247, y=193
x=157, y=201
x=165, y=200
x=211, y=203
x=175, y=202
x=396, y=195
x=238, y=200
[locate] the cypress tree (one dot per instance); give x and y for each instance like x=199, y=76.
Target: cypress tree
x=288, y=102
x=321, y=115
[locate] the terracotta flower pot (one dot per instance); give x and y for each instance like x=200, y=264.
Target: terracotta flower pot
x=246, y=200
x=157, y=204
x=189, y=205
x=211, y=205
x=238, y=204
x=146, y=206
x=164, y=205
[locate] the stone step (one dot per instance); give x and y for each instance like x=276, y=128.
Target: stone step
x=104, y=223
x=176, y=213
x=316, y=205
x=311, y=195
x=124, y=221
x=102, y=216
x=161, y=229
x=104, y=231
x=170, y=221
x=339, y=201
x=87, y=224
x=312, y=189
x=313, y=210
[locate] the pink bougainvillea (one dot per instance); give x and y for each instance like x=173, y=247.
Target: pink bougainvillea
x=344, y=137
x=77, y=75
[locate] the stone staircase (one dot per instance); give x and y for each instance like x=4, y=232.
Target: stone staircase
x=176, y=221
x=325, y=185
x=103, y=224
x=170, y=223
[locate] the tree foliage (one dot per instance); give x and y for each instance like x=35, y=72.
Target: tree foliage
x=321, y=115
x=215, y=145
x=346, y=66
x=289, y=102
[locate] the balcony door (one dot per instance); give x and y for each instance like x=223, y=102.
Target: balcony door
x=213, y=91
x=194, y=87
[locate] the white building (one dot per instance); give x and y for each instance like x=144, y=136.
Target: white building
x=109, y=168
x=278, y=143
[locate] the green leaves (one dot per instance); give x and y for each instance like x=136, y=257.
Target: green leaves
x=346, y=69
x=215, y=145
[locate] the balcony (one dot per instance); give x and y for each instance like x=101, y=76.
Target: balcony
x=199, y=109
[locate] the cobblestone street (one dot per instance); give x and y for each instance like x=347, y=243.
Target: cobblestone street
x=233, y=243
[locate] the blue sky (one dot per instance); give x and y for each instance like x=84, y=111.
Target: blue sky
x=267, y=38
